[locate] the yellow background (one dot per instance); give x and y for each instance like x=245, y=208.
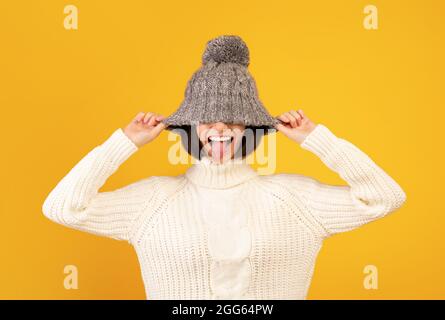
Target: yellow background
x=64, y=92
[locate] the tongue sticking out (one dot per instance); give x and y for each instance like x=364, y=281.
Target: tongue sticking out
x=219, y=148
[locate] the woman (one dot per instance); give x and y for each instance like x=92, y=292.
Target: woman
x=221, y=231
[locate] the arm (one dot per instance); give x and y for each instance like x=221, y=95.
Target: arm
x=370, y=192
x=76, y=201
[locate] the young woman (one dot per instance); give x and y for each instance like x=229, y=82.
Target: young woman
x=221, y=231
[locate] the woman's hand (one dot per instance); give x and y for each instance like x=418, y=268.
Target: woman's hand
x=295, y=125
x=144, y=128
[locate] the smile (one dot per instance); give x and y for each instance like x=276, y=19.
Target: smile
x=226, y=139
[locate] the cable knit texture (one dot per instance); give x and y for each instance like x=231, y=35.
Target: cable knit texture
x=223, y=231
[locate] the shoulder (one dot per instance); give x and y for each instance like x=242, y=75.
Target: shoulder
x=163, y=184
x=283, y=186
x=289, y=185
x=289, y=191
x=158, y=190
x=292, y=181
x=156, y=185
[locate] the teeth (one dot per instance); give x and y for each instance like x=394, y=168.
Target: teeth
x=220, y=138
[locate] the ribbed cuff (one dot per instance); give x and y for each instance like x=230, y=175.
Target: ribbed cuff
x=118, y=147
x=320, y=141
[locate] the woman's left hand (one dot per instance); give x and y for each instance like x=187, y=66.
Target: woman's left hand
x=295, y=125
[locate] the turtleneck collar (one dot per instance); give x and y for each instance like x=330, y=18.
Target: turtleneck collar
x=230, y=173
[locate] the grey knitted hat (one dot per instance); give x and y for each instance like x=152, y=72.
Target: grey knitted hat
x=222, y=89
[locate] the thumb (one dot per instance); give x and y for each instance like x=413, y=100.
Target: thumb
x=287, y=131
x=159, y=127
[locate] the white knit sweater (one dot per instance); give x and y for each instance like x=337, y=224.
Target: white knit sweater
x=223, y=231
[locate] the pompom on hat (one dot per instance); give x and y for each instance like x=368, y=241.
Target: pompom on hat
x=222, y=90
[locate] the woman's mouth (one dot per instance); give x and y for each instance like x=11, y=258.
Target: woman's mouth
x=219, y=145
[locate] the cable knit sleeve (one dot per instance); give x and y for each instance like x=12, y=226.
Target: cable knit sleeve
x=77, y=203
x=370, y=193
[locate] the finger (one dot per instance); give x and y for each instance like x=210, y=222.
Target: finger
x=160, y=117
x=297, y=116
x=139, y=117
x=152, y=120
x=292, y=120
x=147, y=116
x=284, y=118
x=300, y=111
x=283, y=128
x=159, y=127
x=304, y=119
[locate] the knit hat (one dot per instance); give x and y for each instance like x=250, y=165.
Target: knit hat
x=222, y=90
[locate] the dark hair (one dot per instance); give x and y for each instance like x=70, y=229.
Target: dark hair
x=192, y=144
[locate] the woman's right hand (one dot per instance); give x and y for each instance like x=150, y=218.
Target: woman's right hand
x=144, y=128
